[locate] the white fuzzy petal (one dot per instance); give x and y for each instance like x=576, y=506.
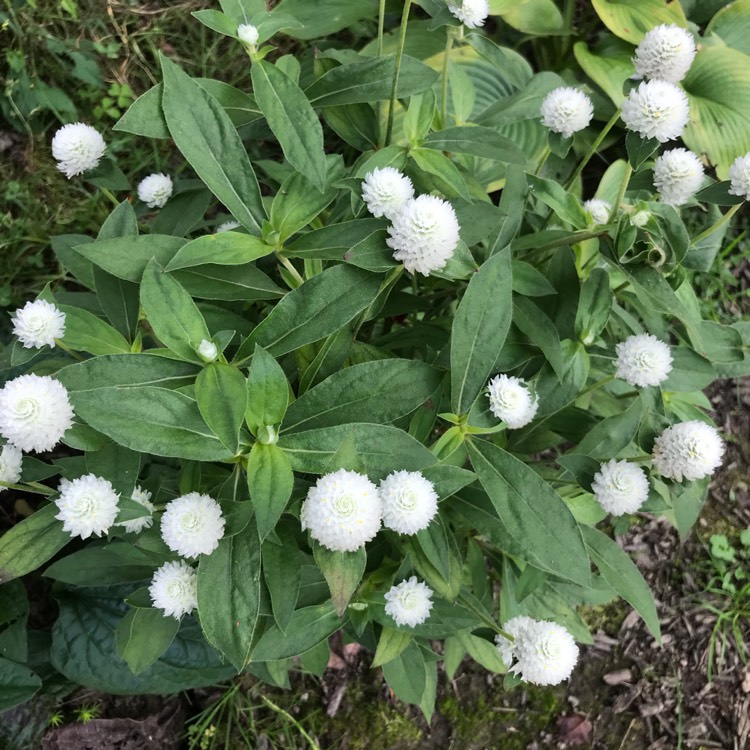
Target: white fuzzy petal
x=643, y=360
x=77, y=148
x=656, y=109
x=409, y=603
x=174, y=588
x=155, y=190
x=512, y=401
x=620, y=487
x=192, y=525
x=688, y=450
x=566, y=110
x=88, y=505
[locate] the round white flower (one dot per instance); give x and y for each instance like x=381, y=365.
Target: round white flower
x=10, y=465
x=424, y=234
x=518, y=627
x=228, y=226
x=678, y=175
x=656, y=109
x=155, y=190
x=546, y=653
x=739, y=176
x=598, y=209
x=342, y=510
x=620, y=487
x=248, y=34
x=643, y=360
x=34, y=412
x=409, y=603
x=77, y=148
x=666, y=53
x=38, y=324
x=88, y=505
x=385, y=191
x=689, y=450
x=512, y=401
x=192, y=525
x=144, y=522
x=471, y=13
x=174, y=588
x=207, y=350
x=409, y=501
x=566, y=110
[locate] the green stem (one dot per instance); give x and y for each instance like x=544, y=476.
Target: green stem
x=446, y=66
x=289, y=267
x=720, y=223
x=394, y=87
x=381, y=25
x=279, y=710
x=621, y=192
x=571, y=239
x=33, y=487
x=599, y=384
x=594, y=147
x=543, y=159
x=73, y=354
x=111, y=196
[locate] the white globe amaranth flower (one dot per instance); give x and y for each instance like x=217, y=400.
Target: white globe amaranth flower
x=566, y=110
x=688, y=450
x=643, y=360
x=342, y=511
x=656, y=109
x=155, y=190
x=35, y=412
x=207, y=350
x=598, y=209
x=424, y=234
x=666, y=52
x=620, y=487
x=174, y=588
x=471, y=13
x=385, y=191
x=144, y=522
x=192, y=525
x=739, y=177
x=518, y=627
x=678, y=175
x=11, y=460
x=88, y=505
x=248, y=34
x=512, y=401
x=38, y=324
x=228, y=226
x=77, y=148
x=409, y=501
x=546, y=653
x=409, y=603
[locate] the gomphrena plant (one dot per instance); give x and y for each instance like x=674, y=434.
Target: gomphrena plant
x=364, y=396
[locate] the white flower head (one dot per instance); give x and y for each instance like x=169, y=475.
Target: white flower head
x=566, y=110
x=678, y=175
x=643, y=360
x=409, y=501
x=518, y=627
x=656, y=109
x=739, y=176
x=248, y=34
x=640, y=218
x=424, y=234
x=192, y=525
x=471, y=13
x=666, y=53
x=34, y=412
x=598, y=210
x=409, y=603
x=11, y=459
x=228, y=226
x=144, y=522
x=385, y=191
x=689, y=450
x=155, y=190
x=77, y=148
x=342, y=510
x=174, y=588
x=38, y=324
x=88, y=505
x=207, y=350
x=546, y=654
x=620, y=487
x=512, y=401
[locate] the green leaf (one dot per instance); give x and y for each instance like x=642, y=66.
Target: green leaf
x=529, y=282
x=332, y=241
x=436, y=163
x=292, y=120
x=379, y=392
x=296, y=204
x=406, y=674
x=476, y=141
x=85, y=332
x=121, y=467
x=229, y=595
x=209, y=141
x=143, y=635
x=732, y=25
x=119, y=300
x=566, y=206
x=172, y=314
x=531, y=321
x=482, y=651
x=479, y=330
x=433, y=542
x=17, y=684
x=118, y=562
x=213, y=281
x=30, y=543
x=338, y=15
x=221, y=392
x=612, y=434
x=182, y=212
x=322, y=305
x=620, y=572
x=282, y=572
x=270, y=480
x=306, y=629
x=631, y=21
x=267, y=392
x=372, y=253
x=532, y=512
x=391, y=643
x=534, y=17
x=343, y=572
x=594, y=306
x=224, y=249
x=639, y=150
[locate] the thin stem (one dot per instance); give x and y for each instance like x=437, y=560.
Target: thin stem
x=289, y=717
x=73, y=354
x=571, y=239
x=543, y=159
x=599, y=384
x=292, y=270
x=621, y=192
x=394, y=87
x=111, y=196
x=381, y=24
x=446, y=66
x=720, y=223
x=594, y=146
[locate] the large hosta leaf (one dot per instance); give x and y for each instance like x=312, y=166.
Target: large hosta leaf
x=631, y=19
x=732, y=25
